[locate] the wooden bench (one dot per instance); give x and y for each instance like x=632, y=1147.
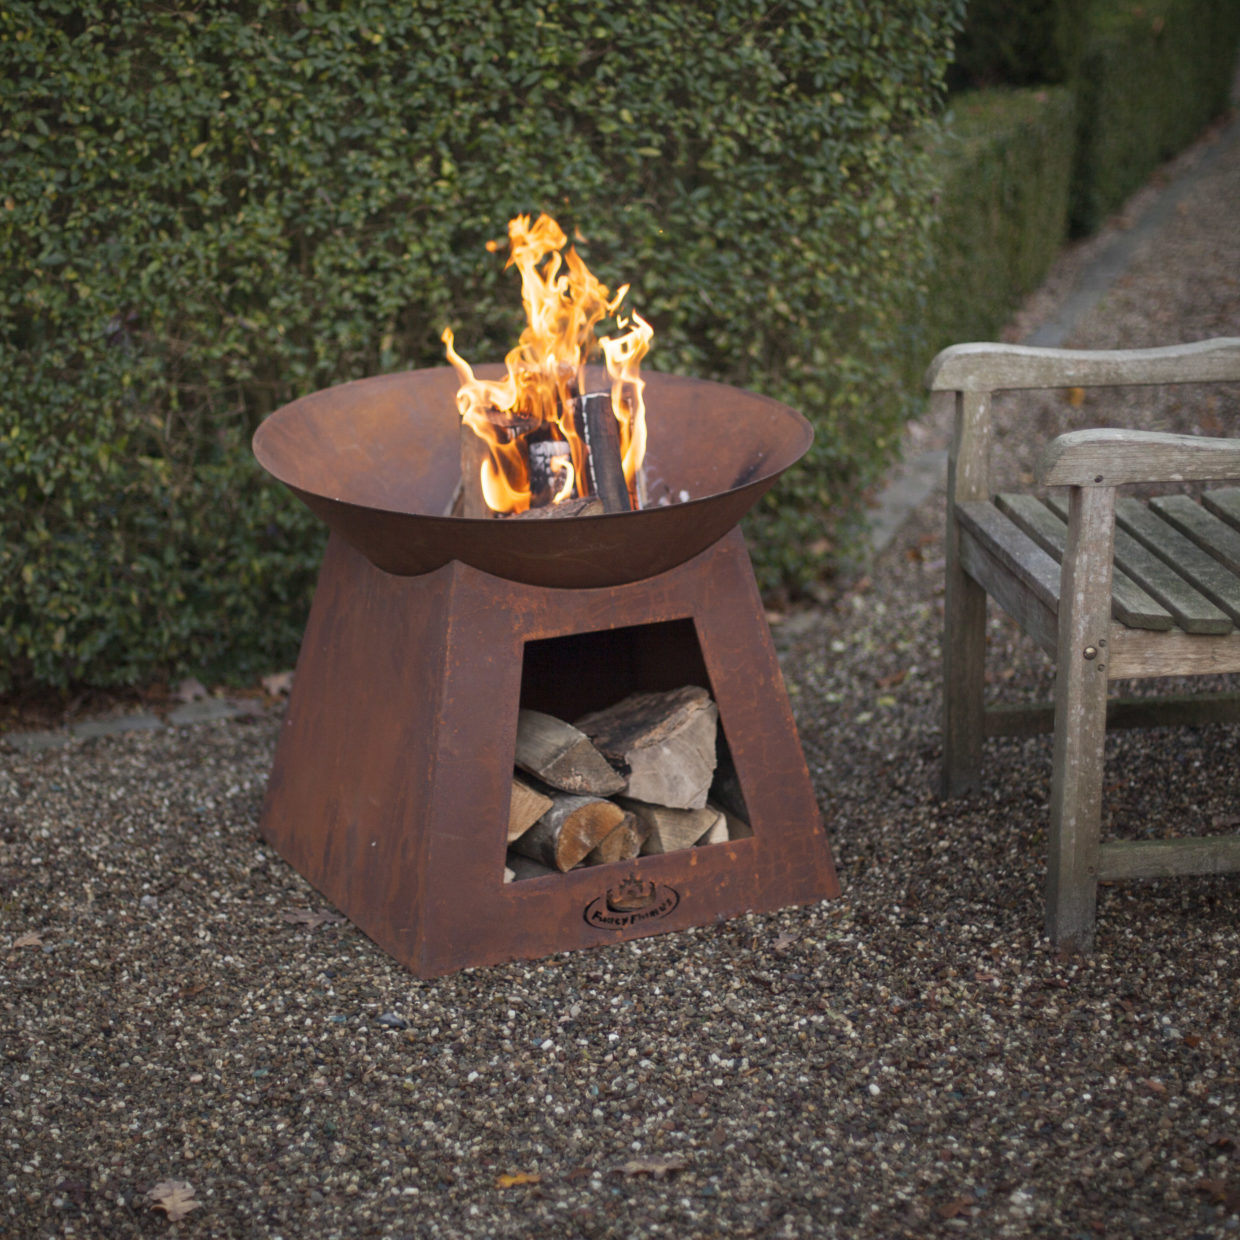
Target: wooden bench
x=1110, y=587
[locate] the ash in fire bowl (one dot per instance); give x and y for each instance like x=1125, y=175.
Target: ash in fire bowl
x=395, y=466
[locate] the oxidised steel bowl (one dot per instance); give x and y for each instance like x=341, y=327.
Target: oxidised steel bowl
x=378, y=460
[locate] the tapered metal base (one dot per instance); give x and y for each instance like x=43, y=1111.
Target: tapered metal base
x=392, y=776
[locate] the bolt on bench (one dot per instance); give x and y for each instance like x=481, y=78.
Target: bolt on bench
x=1110, y=587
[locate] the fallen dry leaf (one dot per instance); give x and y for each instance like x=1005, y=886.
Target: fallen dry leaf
x=174, y=1197
x=781, y=942
x=190, y=690
x=956, y=1207
x=1220, y=1193
x=277, y=684
x=657, y=1167
x=310, y=918
x=517, y=1178
x=33, y=939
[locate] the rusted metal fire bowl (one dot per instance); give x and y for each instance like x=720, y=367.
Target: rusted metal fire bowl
x=378, y=460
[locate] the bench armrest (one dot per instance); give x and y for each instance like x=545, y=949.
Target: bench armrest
x=1113, y=457
x=1003, y=367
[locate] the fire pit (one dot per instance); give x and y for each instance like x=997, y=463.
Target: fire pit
x=391, y=782
x=443, y=649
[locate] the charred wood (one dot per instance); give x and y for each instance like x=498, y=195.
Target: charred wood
x=547, y=461
x=589, y=506
x=600, y=432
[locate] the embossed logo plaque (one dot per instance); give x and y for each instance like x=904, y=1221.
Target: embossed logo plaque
x=630, y=903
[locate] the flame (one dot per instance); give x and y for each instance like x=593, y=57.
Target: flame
x=564, y=304
x=565, y=491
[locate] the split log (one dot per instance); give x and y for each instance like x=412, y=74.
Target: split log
x=738, y=828
x=719, y=833
x=663, y=743
x=522, y=868
x=670, y=830
x=573, y=827
x=600, y=432
x=525, y=808
x=562, y=756
x=468, y=500
x=590, y=506
x=622, y=843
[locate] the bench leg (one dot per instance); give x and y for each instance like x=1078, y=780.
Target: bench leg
x=1080, y=720
x=964, y=659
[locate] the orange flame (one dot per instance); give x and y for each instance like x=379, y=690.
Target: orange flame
x=564, y=304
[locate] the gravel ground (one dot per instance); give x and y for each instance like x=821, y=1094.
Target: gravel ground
x=177, y=1005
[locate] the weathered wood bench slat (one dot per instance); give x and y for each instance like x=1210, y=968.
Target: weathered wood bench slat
x=1191, y=610
x=1140, y=654
x=1224, y=502
x=1130, y=604
x=1200, y=568
x=1211, y=533
x=1218, y=854
x=1022, y=577
x=1163, y=711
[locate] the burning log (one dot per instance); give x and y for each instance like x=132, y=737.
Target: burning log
x=527, y=806
x=669, y=830
x=664, y=743
x=571, y=829
x=563, y=756
x=467, y=500
x=549, y=460
x=539, y=403
x=622, y=843
x=600, y=432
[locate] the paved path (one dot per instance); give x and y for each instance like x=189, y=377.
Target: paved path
x=1149, y=216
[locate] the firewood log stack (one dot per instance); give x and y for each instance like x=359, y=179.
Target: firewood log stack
x=635, y=779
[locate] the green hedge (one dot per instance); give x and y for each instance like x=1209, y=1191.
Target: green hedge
x=1154, y=73
x=1017, y=43
x=212, y=208
x=1006, y=164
